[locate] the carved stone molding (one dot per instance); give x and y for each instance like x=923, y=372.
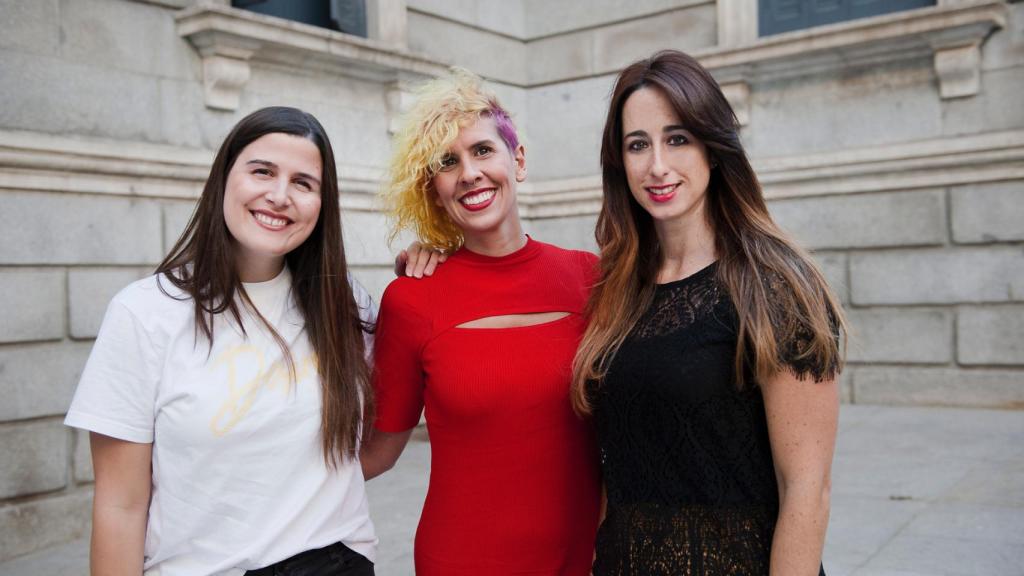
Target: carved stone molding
x=931, y=163
x=225, y=66
x=738, y=95
x=229, y=39
x=48, y=162
x=952, y=33
x=399, y=98
x=959, y=70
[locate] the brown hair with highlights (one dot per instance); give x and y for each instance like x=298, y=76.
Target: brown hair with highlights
x=775, y=287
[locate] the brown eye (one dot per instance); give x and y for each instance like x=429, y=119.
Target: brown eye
x=636, y=145
x=448, y=162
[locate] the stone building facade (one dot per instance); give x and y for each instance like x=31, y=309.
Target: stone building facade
x=892, y=146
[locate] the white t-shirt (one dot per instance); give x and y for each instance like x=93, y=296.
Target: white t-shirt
x=239, y=479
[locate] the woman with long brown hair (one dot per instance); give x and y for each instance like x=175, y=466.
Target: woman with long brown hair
x=710, y=357
x=225, y=393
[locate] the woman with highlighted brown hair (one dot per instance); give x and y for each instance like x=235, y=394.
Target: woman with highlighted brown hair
x=710, y=357
x=485, y=347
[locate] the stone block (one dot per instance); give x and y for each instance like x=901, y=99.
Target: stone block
x=366, y=239
x=515, y=100
x=618, y=45
x=53, y=95
x=353, y=112
x=990, y=335
x=82, y=457
x=864, y=220
x=833, y=266
x=38, y=524
x=575, y=232
x=557, y=152
x=359, y=137
x=912, y=336
x=464, y=11
x=112, y=33
x=846, y=386
x=374, y=279
x=555, y=58
x=70, y=559
x=939, y=387
x=1005, y=48
x=985, y=213
x=32, y=304
x=89, y=292
x=175, y=217
x=543, y=18
x=497, y=57
x=183, y=117
x=48, y=228
x=39, y=379
x=351, y=94
x=34, y=457
x=843, y=108
x=30, y=26
x=501, y=16
x=996, y=107
x=937, y=276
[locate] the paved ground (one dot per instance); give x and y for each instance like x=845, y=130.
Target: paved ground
x=917, y=492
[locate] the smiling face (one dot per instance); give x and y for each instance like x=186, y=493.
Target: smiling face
x=476, y=185
x=272, y=202
x=666, y=167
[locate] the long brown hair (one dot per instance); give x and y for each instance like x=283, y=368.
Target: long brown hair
x=202, y=264
x=773, y=284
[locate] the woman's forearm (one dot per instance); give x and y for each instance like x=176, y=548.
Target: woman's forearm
x=120, y=506
x=118, y=540
x=380, y=452
x=800, y=531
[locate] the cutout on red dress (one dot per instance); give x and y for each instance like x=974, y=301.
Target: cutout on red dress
x=514, y=320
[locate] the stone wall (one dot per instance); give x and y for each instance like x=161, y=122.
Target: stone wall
x=911, y=199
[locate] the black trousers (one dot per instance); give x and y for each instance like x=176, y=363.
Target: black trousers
x=334, y=560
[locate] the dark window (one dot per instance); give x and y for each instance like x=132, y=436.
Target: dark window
x=777, y=16
x=348, y=16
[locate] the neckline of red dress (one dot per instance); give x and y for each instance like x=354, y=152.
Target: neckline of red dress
x=529, y=250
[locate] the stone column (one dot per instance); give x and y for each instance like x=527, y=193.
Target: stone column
x=387, y=21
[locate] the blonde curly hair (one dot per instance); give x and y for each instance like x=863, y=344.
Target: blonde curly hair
x=443, y=107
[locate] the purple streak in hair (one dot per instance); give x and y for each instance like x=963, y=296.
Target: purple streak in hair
x=506, y=129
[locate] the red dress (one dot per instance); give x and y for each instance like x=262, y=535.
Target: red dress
x=514, y=479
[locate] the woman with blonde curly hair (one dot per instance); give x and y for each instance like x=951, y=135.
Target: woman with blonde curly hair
x=485, y=347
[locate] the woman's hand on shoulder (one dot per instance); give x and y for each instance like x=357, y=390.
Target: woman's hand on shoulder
x=418, y=261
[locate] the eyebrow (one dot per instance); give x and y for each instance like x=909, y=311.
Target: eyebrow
x=270, y=164
x=666, y=129
x=485, y=142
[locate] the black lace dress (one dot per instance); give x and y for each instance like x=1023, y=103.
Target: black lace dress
x=686, y=459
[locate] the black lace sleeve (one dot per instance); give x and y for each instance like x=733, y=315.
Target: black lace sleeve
x=795, y=336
